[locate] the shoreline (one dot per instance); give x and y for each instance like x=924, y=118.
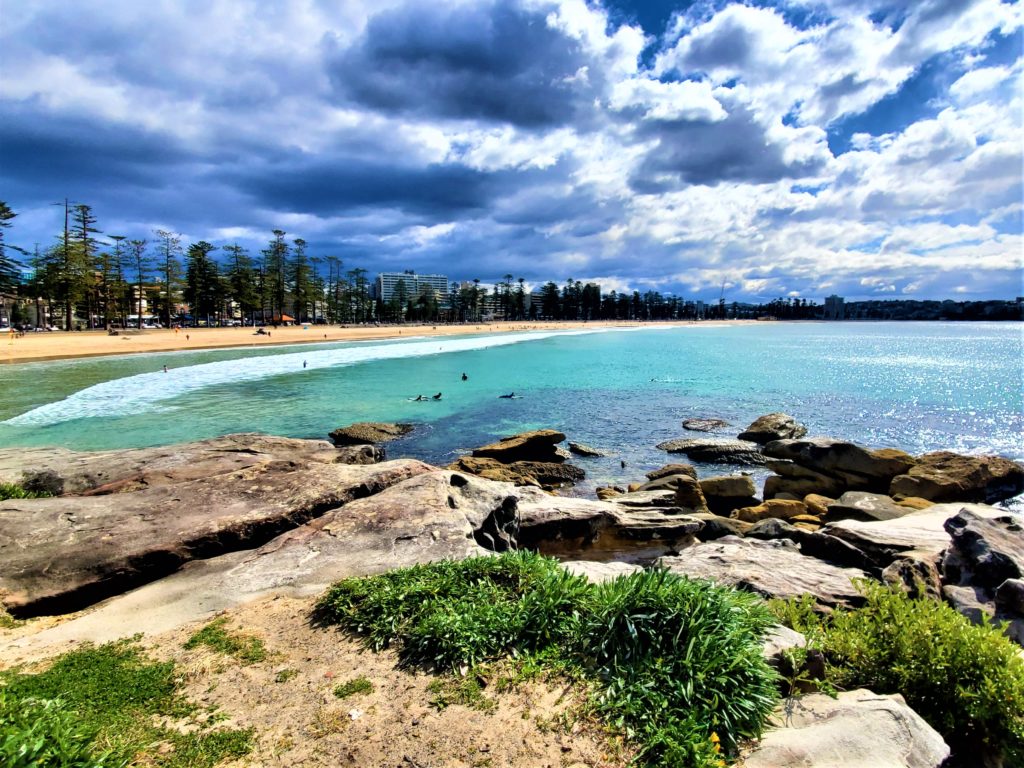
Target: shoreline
x=70, y=345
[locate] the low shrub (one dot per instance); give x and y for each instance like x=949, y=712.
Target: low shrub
x=15, y=491
x=966, y=681
x=98, y=707
x=676, y=663
x=357, y=686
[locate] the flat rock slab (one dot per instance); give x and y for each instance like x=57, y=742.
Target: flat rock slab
x=861, y=505
x=582, y=449
x=771, y=568
x=882, y=541
x=369, y=432
x=599, y=573
x=539, y=445
x=715, y=451
x=58, y=554
x=124, y=470
x=857, y=729
x=704, y=425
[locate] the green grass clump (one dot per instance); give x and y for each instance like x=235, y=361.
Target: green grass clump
x=245, y=648
x=677, y=663
x=356, y=686
x=966, y=681
x=98, y=707
x=15, y=491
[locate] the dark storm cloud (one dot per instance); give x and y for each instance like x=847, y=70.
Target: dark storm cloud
x=49, y=156
x=736, y=149
x=492, y=62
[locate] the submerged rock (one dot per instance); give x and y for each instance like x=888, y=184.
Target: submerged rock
x=773, y=426
x=582, y=449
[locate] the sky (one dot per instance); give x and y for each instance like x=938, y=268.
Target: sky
x=865, y=148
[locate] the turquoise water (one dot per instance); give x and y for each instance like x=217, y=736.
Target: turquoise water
x=915, y=386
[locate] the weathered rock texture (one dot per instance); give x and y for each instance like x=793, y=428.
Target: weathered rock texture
x=704, y=425
x=582, y=449
x=58, y=554
x=946, y=476
x=857, y=729
x=830, y=467
x=773, y=426
x=715, y=451
x=544, y=474
x=861, y=505
x=369, y=432
x=539, y=445
x=770, y=568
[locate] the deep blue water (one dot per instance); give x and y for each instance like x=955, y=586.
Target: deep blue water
x=914, y=386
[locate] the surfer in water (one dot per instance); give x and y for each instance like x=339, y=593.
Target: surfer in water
x=437, y=396
x=509, y=396
x=465, y=377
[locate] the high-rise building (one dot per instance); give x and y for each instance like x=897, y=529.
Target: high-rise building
x=834, y=309
x=387, y=282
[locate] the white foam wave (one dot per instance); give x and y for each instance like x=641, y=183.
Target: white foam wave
x=143, y=392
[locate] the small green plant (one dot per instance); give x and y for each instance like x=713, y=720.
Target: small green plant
x=676, y=664
x=285, y=675
x=246, y=648
x=15, y=491
x=98, y=707
x=357, y=686
x=6, y=620
x=967, y=681
x=454, y=689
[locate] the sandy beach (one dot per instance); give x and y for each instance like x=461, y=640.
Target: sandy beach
x=57, y=345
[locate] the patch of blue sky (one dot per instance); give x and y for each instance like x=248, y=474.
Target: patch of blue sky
x=809, y=189
x=868, y=246
x=921, y=97
x=1002, y=49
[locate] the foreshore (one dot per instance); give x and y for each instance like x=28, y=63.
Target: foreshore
x=57, y=345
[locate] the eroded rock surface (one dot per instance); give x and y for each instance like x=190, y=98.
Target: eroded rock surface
x=369, y=432
x=773, y=426
x=715, y=451
x=946, y=476
x=538, y=445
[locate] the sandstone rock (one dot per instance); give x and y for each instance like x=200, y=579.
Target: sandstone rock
x=59, y=554
x=913, y=502
x=600, y=572
x=360, y=454
x=947, y=476
x=716, y=451
x=734, y=486
x=665, y=482
x=545, y=474
x=882, y=541
x=369, y=432
x=607, y=493
x=770, y=568
x=974, y=603
x=780, y=508
x=582, y=449
x=724, y=494
x=817, y=504
x=672, y=469
x=779, y=640
x=74, y=472
x=1010, y=596
x=665, y=497
x=773, y=528
x=834, y=550
x=860, y=468
x=653, y=524
x=773, y=426
x=857, y=729
x=776, y=487
x=689, y=495
x=539, y=445
x=704, y=425
x=715, y=526
x=917, y=575
x=984, y=552
x=861, y=505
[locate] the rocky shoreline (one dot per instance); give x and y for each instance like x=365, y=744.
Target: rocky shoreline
x=152, y=539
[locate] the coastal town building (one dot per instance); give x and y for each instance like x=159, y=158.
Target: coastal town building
x=834, y=309
x=387, y=282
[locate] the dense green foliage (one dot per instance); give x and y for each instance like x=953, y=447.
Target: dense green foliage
x=15, y=491
x=99, y=706
x=967, y=681
x=676, y=662
x=245, y=648
x=355, y=687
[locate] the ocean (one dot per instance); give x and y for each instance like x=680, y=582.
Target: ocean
x=914, y=386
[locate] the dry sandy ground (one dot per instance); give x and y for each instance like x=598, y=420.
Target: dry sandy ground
x=289, y=701
x=62, y=344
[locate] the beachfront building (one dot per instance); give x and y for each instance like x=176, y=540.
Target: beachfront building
x=387, y=283
x=834, y=309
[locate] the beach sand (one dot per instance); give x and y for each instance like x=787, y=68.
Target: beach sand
x=56, y=345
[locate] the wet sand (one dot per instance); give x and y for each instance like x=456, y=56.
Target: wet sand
x=57, y=345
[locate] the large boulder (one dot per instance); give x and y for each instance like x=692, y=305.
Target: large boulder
x=538, y=445
x=59, y=554
x=984, y=552
x=858, y=468
x=800, y=481
x=783, y=509
x=726, y=493
x=76, y=472
x=716, y=526
x=715, y=451
x=369, y=433
x=689, y=495
x=672, y=469
x=771, y=568
x=861, y=505
x=946, y=476
x=923, y=532
x=546, y=474
x=773, y=426
x=855, y=729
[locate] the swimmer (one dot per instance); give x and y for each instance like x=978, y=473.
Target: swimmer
x=437, y=396
x=303, y=363
x=465, y=377
x=419, y=398
x=509, y=396
x=165, y=369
